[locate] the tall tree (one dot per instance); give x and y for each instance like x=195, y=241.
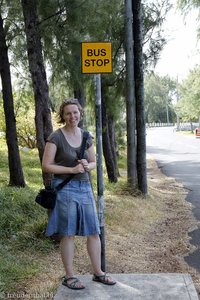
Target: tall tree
x=109, y=149
x=159, y=94
x=67, y=51
x=39, y=81
x=154, y=14
x=130, y=97
x=90, y=20
x=186, y=6
x=188, y=106
x=100, y=20
x=139, y=96
x=15, y=168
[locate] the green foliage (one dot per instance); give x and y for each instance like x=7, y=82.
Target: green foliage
x=15, y=269
x=26, y=129
x=122, y=160
x=186, y=6
x=64, y=25
x=159, y=93
x=22, y=222
x=15, y=38
x=120, y=129
x=154, y=40
x=24, y=114
x=188, y=106
x=2, y=117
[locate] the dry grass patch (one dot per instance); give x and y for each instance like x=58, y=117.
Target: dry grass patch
x=125, y=213
x=143, y=234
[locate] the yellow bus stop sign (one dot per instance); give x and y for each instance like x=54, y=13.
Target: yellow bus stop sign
x=96, y=57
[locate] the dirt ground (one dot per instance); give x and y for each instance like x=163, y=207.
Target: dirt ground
x=156, y=243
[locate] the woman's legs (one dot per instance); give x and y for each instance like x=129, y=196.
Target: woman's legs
x=94, y=251
x=67, y=255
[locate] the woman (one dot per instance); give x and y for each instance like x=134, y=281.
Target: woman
x=75, y=210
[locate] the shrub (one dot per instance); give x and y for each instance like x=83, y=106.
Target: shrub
x=26, y=130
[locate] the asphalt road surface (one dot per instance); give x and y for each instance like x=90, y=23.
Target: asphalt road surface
x=178, y=156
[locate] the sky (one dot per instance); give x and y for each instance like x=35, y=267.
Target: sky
x=182, y=51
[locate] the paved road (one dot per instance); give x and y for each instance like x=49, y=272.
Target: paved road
x=178, y=156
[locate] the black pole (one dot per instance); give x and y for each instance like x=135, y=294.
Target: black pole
x=99, y=166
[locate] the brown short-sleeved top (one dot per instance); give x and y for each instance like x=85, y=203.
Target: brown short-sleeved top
x=66, y=155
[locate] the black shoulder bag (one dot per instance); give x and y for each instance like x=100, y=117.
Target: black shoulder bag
x=47, y=197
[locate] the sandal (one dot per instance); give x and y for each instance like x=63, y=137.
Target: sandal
x=73, y=284
x=105, y=279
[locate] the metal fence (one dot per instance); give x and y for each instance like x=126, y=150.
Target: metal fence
x=159, y=125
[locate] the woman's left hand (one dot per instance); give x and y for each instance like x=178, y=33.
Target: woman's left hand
x=85, y=164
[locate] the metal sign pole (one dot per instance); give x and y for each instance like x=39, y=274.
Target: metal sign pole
x=99, y=166
x=97, y=59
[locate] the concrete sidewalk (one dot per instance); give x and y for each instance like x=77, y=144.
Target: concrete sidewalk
x=168, y=286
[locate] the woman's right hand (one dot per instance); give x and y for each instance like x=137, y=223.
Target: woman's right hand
x=78, y=169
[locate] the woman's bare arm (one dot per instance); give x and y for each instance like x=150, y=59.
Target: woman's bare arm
x=89, y=164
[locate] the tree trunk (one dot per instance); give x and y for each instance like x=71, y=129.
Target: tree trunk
x=79, y=94
x=139, y=95
x=15, y=168
x=43, y=121
x=110, y=158
x=130, y=97
x=111, y=131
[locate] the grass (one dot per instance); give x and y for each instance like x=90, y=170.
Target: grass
x=15, y=267
x=22, y=222
x=24, y=250
x=189, y=132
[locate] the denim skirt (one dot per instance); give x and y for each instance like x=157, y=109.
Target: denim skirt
x=75, y=210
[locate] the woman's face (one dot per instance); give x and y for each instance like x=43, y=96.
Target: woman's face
x=71, y=115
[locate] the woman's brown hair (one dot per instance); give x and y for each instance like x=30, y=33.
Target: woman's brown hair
x=68, y=101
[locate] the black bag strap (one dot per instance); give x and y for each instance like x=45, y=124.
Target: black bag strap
x=80, y=156
x=83, y=145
